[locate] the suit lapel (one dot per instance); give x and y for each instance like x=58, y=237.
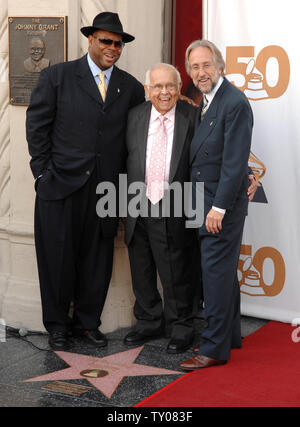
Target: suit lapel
x=180, y=131
x=208, y=123
x=86, y=80
x=204, y=129
x=116, y=86
x=87, y=83
x=142, y=135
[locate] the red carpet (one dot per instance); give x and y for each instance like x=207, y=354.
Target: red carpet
x=265, y=373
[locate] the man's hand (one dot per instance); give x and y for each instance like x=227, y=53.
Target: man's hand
x=252, y=188
x=189, y=100
x=214, y=221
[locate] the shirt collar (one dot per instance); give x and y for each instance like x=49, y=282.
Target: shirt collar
x=169, y=115
x=210, y=95
x=96, y=70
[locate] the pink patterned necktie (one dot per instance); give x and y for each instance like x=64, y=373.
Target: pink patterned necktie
x=157, y=164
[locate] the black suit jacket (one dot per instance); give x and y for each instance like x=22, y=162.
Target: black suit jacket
x=220, y=152
x=136, y=141
x=69, y=128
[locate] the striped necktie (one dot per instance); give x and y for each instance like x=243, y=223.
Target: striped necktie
x=102, y=86
x=204, y=107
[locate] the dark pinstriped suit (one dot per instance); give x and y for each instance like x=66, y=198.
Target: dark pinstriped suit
x=76, y=141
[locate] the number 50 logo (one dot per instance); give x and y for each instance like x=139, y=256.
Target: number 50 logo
x=256, y=269
x=267, y=76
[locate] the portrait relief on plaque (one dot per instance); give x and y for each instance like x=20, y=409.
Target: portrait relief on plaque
x=35, y=43
x=36, y=62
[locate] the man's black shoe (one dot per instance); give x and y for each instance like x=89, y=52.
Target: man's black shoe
x=177, y=346
x=58, y=341
x=93, y=337
x=137, y=338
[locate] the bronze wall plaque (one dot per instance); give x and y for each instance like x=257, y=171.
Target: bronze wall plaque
x=34, y=44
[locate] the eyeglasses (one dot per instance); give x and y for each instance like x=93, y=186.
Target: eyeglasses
x=108, y=42
x=170, y=87
x=37, y=49
x=205, y=67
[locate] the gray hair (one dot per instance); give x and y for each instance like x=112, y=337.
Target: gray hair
x=217, y=55
x=161, y=65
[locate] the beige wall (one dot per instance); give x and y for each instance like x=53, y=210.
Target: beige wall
x=19, y=287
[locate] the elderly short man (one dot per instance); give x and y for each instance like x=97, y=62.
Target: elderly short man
x=159, y=134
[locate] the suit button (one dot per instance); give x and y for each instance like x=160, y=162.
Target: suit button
x=198, y=173
x=88, y=172
x=100, y=133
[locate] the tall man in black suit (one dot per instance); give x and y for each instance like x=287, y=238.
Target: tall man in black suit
x=219, y=158
x=76, y=138
x=162, y=243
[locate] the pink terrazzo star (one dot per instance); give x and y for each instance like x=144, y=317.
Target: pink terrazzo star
x=117, y=366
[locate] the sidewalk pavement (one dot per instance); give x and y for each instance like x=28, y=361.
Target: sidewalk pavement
x=32, y=375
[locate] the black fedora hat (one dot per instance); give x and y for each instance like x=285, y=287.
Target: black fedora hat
x=107, y=21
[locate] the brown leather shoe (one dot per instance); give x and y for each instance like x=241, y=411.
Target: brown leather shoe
x=200, y=362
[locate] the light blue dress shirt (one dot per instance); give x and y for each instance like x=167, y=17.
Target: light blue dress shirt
x=95, y=70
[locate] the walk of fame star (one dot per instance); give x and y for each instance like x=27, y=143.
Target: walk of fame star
x=104, y=373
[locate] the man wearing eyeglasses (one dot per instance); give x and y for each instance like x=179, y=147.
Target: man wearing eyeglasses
x=76, y=124
x=158, y=139
x=36, y=62
x=219, y=158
